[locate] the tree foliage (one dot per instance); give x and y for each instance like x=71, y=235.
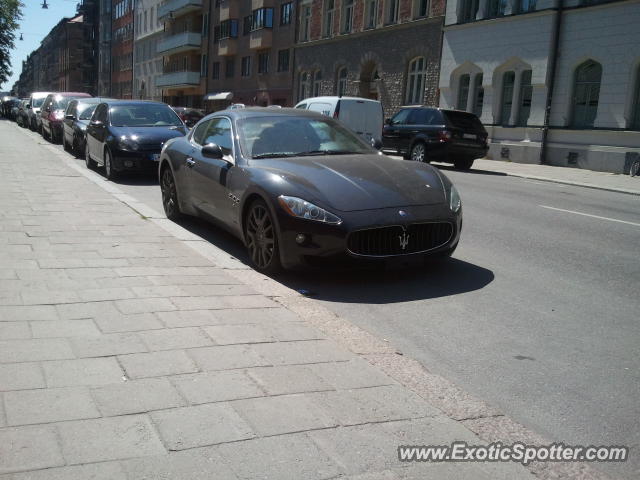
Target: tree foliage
x=10, y=14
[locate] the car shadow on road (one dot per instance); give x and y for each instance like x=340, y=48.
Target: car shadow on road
x=382, y=286
x=474, y=171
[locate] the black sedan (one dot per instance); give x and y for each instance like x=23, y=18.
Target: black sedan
x=127, y=135
x=300, y=189
x=76, y=120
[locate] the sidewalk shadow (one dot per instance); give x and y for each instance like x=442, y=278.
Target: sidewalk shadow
x=435, y=280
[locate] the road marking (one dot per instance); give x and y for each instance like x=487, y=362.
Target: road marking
x=589, y=215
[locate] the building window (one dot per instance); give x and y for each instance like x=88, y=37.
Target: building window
x=262, y=18
x=283, y=61
x=421, y=8
x=229, y=67
x=245, y=69
x=415, y=81
x=228, y=29
x=317, y=83
x=371, y=14
x=586, y=93
x=215, y=70
x=393, y=8
x=523, y=6
x=303, y=86
x=341, y=84
x=635, y=120
x=525, y=96
x=463, y=91
x=204, y=65
x=329, y=13
x=246, y=25
x=508, y=81
x=263, y=62
x=478, y=95
x=347, y=16
x=286, y=13
x=468, y=10
x=205, y=24
x=496, y=8
x=305, y=23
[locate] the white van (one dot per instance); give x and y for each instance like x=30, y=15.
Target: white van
x=362, y=115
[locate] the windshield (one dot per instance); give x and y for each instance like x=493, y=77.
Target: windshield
x=150, y=115
x=288, y=136
x=37, y=102
x=86, y=110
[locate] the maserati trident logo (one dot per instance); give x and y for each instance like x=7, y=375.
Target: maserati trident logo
x=404, y=240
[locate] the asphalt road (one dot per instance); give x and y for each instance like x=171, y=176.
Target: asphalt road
x=538, y=313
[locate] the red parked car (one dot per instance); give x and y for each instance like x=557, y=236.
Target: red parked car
x=52, y=113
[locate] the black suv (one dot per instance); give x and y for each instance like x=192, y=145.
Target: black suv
x=427, y=134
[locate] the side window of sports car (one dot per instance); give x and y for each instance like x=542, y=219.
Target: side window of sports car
x=219, y=132
x=198, y=133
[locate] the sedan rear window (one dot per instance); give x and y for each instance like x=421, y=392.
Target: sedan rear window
x=464, y=120
x=288, y=136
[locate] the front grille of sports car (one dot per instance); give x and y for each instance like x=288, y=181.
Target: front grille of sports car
x=397, y=240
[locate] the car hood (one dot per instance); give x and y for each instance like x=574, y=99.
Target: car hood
x=360, y=182
x=148, y=135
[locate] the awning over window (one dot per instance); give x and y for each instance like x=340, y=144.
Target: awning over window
x=209, y=97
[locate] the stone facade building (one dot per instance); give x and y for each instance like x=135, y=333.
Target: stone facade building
x=554, y=81
x=382, y=49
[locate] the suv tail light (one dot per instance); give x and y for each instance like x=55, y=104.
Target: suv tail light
x=444, y=136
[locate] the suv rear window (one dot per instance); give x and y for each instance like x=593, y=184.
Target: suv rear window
x=425, y=116
x=463, y=120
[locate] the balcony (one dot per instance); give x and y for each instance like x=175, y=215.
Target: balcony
x=228, y=9
x=178, y=79
x=259, y=39
x=256, y=4
x=227, y=46
x=177, y=8
x=181, y=42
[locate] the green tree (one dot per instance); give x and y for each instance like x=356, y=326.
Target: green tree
x=10, y=14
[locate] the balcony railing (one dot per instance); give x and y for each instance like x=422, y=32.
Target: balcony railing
x=229, y=9
x=178, y=79
x=227, y=46
x=177, y=8
x=259, y=39
x=181, y=42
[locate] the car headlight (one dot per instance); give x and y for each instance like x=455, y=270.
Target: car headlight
x=297, y=207
x=127, y=144
x=455, y=203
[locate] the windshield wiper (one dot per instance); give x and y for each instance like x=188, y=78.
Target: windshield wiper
x=275, y=155
x=328, y=152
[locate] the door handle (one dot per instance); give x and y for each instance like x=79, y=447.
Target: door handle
x=190, y=162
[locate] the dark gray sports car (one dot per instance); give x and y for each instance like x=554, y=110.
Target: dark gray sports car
x=298, y=188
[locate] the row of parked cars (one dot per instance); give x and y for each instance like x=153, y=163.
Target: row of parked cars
x=304, y=186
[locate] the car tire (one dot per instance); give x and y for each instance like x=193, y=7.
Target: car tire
x=91, y=165
x=463, y=164
x=261, y=238
x=418, y=152
x=65, y=145
x=109, y=172
x=169, y=191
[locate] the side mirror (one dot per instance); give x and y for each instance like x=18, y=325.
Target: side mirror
x=376, y=143
x=211, y=150
x=388, y=121
x=95, y=123
x=69, y=117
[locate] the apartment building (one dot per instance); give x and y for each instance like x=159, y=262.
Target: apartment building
x=184, y=48
x=554, y=81
x=382, y=49
x=251, y=53
x=122, y=49
x=148, y=62
x=104, y=48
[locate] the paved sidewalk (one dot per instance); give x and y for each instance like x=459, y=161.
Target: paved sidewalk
x=570, y=176
x=125, y=354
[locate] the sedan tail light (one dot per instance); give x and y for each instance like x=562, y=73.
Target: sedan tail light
x=444, y=136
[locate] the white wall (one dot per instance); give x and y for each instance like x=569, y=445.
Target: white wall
x=148, y=63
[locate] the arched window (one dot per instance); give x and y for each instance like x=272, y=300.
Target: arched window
x=526, y=93
x=508, y=81
x=463, y=92
x=415, y=81
x=478, y=95
x=341, y=83
x=317, y=83
x=586, y=93
x=635, y=120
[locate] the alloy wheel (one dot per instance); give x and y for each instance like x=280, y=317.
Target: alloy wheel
x=417, y=152
x=169, y=195
x=261, y=237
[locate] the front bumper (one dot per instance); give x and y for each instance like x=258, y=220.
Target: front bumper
x=327, y=245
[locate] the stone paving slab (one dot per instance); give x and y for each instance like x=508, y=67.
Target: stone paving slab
x=137, y=396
